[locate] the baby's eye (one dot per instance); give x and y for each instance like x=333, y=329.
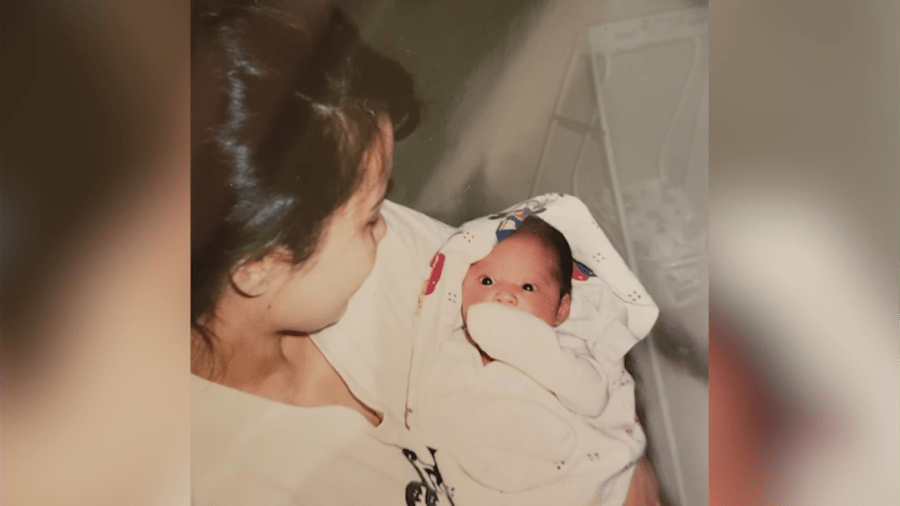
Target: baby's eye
x=528, y=287
x=486, y=280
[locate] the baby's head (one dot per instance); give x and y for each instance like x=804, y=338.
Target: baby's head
x=530, y=270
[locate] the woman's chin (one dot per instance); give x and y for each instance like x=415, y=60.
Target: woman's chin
x=333, y=319
x=316, y=326
x=340, y=314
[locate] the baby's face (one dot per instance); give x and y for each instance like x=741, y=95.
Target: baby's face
x=520, y=272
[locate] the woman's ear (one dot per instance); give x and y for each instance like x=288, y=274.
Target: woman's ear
x=565, y=305
x=252, y=278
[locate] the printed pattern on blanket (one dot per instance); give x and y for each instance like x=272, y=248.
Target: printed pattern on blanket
x=580, y=459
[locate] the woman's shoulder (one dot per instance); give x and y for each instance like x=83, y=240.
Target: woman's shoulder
x=415, y=230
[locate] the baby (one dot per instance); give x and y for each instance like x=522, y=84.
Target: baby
x=503, y=397
x=531, y=271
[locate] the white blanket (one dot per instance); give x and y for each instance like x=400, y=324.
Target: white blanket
x=524, y=429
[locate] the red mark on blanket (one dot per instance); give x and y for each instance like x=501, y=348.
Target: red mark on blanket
x=437, y=265
x=578, y=274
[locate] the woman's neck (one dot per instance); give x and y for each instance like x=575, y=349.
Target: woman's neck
x=285, y=368
x=245, y=353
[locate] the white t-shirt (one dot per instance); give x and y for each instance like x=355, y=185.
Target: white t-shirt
x=247, y=450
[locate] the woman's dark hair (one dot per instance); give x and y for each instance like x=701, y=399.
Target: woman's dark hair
x=285, y=100
x=556, y=242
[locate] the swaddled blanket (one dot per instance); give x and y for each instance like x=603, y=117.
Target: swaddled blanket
x=552, y=419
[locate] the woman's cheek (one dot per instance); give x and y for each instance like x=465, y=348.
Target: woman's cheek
x=364, y=263
x=380, y=231
x=372, y=256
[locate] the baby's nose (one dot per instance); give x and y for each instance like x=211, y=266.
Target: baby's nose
x=505, y=297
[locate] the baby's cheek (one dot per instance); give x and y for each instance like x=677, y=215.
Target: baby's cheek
x=547, y=311
x=467, y=292
x=476, y=294
x=466, y=302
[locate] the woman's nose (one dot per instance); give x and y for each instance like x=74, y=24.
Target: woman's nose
x=505, y=297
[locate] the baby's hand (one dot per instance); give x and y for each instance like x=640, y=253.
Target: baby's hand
x=511, y=335
x=485, y=359
x=528, y=344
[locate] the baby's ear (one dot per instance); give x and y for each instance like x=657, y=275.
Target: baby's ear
x=565, y=305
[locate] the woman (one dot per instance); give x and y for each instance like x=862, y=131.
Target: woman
x=293, y=125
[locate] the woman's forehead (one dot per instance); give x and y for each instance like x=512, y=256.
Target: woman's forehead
x=380, y=153
x=376, y=179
